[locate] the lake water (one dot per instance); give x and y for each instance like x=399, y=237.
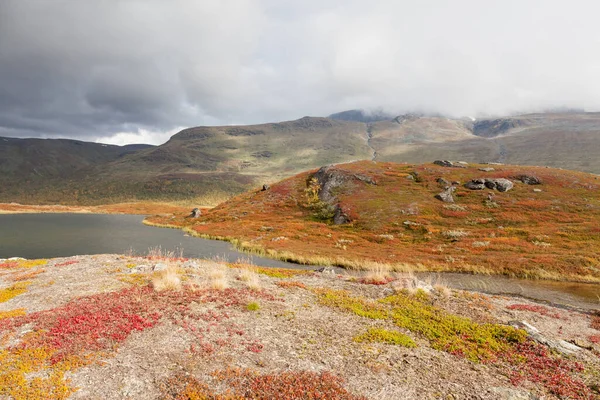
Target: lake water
x=63, y=235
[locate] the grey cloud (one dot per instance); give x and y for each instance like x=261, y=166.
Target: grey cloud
x=93, y=69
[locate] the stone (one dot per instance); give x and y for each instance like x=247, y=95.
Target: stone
x=442, y=182
x=326, y=270
x=159, y=267
x=196, y=212
x=499, y=184
x=475, y=184
x=410, y=177
x=446, y=195
x=561, y=346
x=529, y=179
x=265, y=187
x=487, y=169
x=537, y=190
x=444, y=163
x=339, y=216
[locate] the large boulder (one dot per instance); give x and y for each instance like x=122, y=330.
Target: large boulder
x=499, y=184
x=529, y=179
x=196, y=212
x=446, y=195
x=475, y=184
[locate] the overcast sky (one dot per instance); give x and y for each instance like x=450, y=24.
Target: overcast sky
x=137, y=71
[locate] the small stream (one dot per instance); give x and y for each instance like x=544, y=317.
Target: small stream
x=63, y=235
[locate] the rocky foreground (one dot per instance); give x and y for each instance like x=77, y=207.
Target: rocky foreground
x=114, y=327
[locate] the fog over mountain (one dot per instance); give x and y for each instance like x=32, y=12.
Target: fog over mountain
x=132, y=71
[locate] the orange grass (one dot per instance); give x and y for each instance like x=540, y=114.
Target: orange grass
x=551, y=234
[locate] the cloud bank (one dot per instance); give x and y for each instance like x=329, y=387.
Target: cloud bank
x=135, y=70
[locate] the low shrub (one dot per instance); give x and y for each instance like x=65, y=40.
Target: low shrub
x=384, y=336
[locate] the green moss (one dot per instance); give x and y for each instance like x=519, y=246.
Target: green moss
x=446, y=332
x=385, y=336
x=451, y=333
x=357, y=305
x=253, y=306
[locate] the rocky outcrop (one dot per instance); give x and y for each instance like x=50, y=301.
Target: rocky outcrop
x=330, y=178
x=499, y=184
x=265, y=187
x=450, y=164
x=494, y=127
x=446, y=195
x=529, y=179
x=196, y=212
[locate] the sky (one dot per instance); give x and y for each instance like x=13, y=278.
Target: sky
x=138, y=71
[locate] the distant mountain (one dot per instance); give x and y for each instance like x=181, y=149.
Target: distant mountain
x=220, y=161
x=361, y=116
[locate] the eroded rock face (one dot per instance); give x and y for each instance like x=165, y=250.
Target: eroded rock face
x=499, y=184
x=330, y=178
x=446, y=195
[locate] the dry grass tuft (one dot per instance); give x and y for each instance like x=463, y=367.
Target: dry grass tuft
x=167, y=279
x=250, y=277
x=377, y=274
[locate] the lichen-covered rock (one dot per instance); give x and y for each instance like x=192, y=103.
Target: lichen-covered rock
x=499, y=184
x=446, y=195
x=444, y=163
x=475, y=184
x=529, y=179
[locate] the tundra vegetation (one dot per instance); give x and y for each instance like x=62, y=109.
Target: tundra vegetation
x=547, y=230
x=163, y=326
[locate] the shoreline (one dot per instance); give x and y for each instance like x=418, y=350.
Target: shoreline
x=363, y=265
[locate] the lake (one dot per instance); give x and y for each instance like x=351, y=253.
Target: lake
x=64, y=235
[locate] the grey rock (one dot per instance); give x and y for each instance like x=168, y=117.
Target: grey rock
x=487, y=169
x=340, y=217
x=410, y=177
x=159, y=267
x=561, y=346
x=446, y=195
x=499, y=184
x=442, y=182
x=444, y=163
x=326, y=270
x=537, y=190
x=330, y=178
x=529, y=179
x=265, y=187
x=475, y=184
x=196, y=212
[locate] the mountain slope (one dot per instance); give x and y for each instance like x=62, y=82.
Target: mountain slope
x=222, y=161
x=546, y=230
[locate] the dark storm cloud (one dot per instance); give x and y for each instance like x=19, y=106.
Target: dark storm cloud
x=137, y=70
